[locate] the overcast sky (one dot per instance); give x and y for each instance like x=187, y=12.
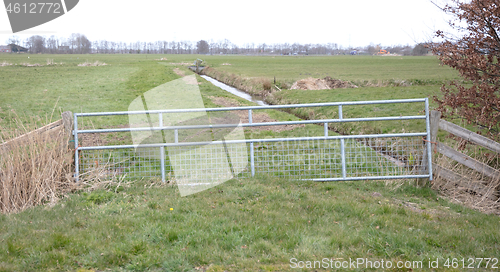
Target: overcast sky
x=347, y=23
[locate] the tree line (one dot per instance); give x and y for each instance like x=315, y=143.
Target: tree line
x=79, y=44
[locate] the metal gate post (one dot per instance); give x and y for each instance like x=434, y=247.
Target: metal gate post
x=252, y=164
x=75, y=133
x=428, y=142
x=162, y=150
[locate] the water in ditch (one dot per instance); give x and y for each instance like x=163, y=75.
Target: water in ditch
x=235, y=91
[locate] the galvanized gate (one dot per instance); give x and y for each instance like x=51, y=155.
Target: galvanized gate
x=210, y=147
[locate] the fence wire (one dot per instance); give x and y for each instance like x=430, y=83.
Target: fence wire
x=300, y=159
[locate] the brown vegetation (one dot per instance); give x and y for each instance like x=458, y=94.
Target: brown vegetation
x=460, y=192
x=35, y=170
x=5, y=63
x=96, y=63
x=30, y=64
x=267, y=85
x=321, y=84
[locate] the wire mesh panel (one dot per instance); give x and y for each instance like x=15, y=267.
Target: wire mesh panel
x=127, y=163
x=197, y=168
x=310, y=158
x=395, y=156
x=211, y=164
x=322, y=159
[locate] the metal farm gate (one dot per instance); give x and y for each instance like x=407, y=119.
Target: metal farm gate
x=208, y=146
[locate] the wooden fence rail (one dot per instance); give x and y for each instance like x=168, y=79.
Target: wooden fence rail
x=66, y=124
x=490, y=192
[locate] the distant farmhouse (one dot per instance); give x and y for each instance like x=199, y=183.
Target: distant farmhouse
x=5, y=49
x=12, y=48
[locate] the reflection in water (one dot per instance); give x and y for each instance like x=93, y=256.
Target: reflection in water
x=234, y=91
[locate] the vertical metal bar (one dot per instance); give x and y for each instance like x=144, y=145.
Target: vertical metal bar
x=75, y=133
x=342, y=155
x=252, y=159
x=342, y=147
x=162, y=150
x=429, y=147
x=326, y=129
x=176, y=136
x=162, y=162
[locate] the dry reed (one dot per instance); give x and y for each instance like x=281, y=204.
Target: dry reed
x=34, y=169
x=475, y=190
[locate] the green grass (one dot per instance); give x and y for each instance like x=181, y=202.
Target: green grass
x=358, y=69
x=359, y=111
x=30, y=91
x=245, y=224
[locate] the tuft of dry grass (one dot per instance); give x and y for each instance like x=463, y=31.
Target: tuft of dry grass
x=34, y=169
x=96, y=63
x=266, y=84
x=5, y=63
x=30, y=64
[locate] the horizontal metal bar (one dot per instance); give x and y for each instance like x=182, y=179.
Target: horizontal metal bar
x=368, y=178
x=256, y=141
x=256, y=107
x=344, y=120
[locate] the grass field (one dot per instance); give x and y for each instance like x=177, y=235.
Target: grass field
x=361, y=70
x=249, y=224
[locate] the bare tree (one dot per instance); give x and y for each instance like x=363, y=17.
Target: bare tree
x=36, y=44
x=420, y=50
x=475, y=56
x=14, y=40
x=52, y=44
x=202, y=47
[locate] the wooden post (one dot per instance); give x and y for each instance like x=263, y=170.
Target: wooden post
x=67, y=118
x=435, y=119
